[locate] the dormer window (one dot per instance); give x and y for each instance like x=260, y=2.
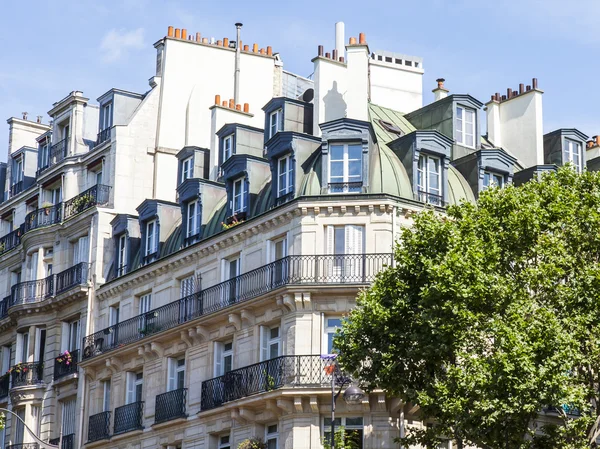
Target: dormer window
x=18, y=175
x=44, y=153
x=285, y=182
x=193, y=219
x=572, y=153
x=227, y=147
x=275, y=122
x=491, y=179
x=106, y=116
x=121, y=254
x=429, y=180
x=239, y=197
x=186, y=169
x=151, y=237
x=345, y=168
x=465, y=126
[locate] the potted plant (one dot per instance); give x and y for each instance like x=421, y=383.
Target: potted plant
x=82, y=202
x=65, y=358
x=46, y=205
x=231, y=222
x=252, y=443
x=19, y=368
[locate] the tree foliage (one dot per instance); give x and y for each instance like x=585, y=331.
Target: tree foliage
x=490, y=314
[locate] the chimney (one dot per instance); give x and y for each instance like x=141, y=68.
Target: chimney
x=339, y=38
x=236, y=75
x=597, y=139
x=440, y=92
x=357, y=89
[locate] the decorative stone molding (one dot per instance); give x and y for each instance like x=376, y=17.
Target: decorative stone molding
x=114, y=364
x=314, y=404
x=235, y=320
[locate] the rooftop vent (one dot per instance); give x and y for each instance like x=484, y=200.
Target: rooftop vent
x=390, y=127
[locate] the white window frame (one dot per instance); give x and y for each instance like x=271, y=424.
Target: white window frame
x=425, y=176
x=151, y=237
x=175, y=368
x=462, y=126
x=343, y=423
x=74, y=335
x=145, y=303
x=81, y=250
x=494, y=179
x=221, y=354
x=186, y=168
x=69, y=416
x=346, y=178
x=106, y=395
x=45, y=153
x=238, y=192
x=193, y=218
x=267, y=342
x=285, y=182
x=572, y=148
x=227, y=147
x=106, y=116
x=187, y=286
x=19, y=169
x=134, y=380
x=275, y=122
x=329, y=330
x=224, y=444
x=272, y=435
x=121, y=254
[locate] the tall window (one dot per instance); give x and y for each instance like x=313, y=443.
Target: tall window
x=151, y=237
x=239, y=200
x=121, y=254
x=106, y=395
x=18, y=175
x=284, y=176
x=492, y=179
x=465, y=126
x=193, y=218
x=22, y=347
x=271, y=436
x=429, y=179
x=135, y=383
x=186, y=286
x=223, y=357
x=145, y=303
x=353, y=430
x=227, y=147
x=331, y=325
x=270, y=343
x=81, y=250
x=345, y=168
x=44, y=154
x=74, y=333
x=176, y=374
x=19, y=426
x=186, y=169
x=68, y=416
x=106, y=116
x=572, y=153
x=98, y=176
x=275, y=122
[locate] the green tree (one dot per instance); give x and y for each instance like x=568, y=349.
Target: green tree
x=490, y=314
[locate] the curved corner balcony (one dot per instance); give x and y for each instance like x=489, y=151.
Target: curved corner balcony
x=94, y=196
x=24, y=374
x=45, y=216
x=333, y=269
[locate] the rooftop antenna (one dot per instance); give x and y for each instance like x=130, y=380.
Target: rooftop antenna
x=236, y=85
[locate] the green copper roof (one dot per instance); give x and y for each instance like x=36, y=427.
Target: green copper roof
x=458, y=187
x=377, y=113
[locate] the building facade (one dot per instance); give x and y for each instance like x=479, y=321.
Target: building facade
x=175, y=263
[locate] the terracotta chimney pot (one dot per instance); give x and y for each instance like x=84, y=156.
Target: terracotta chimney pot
x=198, y=37
x=270, y=50
x=238, y=107
x=225, y=42
x=352, y=41
x=246, y=47
x=362, y=38
x=231, y=103
x=255, y=48
x=177, y=33
x=224, y=104
x=217, y=99
x=170, y=31
x=246, y=107
x=184, y=34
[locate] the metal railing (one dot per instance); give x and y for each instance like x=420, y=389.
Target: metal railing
x=4, y=385
x=26, y=374
x=68, y=441
x=65, y=365
x=99, y=427
x=170, y=405
x=16, y=188
x=285, y=371
x=43, y=217
x=290, y=270
x=129, y=417
x=149, y=258
x=58, y=152
x=345, y=187
x=4, y=305
x=23, y=446
x=36, y=291
x=282, y=199
x=10, y=240
x=430, y=198
x=103, y=136
x=91, y=197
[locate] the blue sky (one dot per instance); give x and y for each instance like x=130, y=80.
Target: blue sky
x=479, y=46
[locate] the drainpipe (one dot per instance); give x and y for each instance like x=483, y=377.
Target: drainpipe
x=236, y=86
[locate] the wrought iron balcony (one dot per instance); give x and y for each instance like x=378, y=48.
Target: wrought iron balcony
x=345, y=187
x=23, y=374
x=55, y=284
x=170, y=405
x=65, y=365
x=99, y=427
x=285, y=371
x=342, y=269
x=58, y=152
x=282, y=199
x=95, y=195
x=129, y=417
x=23, y=446
x=149, y=258
x=68, y=441
x=4, y=385
x=10, y=240
x=430, y=198
x=4, y=304
x=16, y=188
x=103, y=136
x=45, y=216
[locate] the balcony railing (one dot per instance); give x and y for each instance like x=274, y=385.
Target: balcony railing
x=170, y=405
x=24, y=374
x=68, y=441
x=23, y=446
x=58, y=152
x=345, y=187
x=16, y=188
x=284, y=198
x=290, y=270
x=99, y=427
x=430, y=198
x=10, y=240
x=93, y=196
x=43, y=217
x=285, y=371
x=103, y=136
x=4, y=305
x=65, y=365
x=4, y=385
x=55, y=284
x=129, y=417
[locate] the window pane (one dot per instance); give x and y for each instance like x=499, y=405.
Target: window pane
x=355, y=169
x=339, y=240
x=337, y=170
x=354, y=151
x=354, y=421
x=469, y=141
x=336, y=152
x=334, y=322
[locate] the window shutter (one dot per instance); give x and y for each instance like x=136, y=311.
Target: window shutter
x=5, y=365
x=330, y=240
x=68, y=417
x=218, y=358
x=130, y=388
x=264, y=343
x=172, y=375
x=197, y=217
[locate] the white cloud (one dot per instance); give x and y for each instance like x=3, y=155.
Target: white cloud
x=117, y=43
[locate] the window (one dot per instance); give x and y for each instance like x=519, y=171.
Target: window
x=99, y=177
x=492, y=179
x=73, y=337
x=106, y=116
x=186, y=169
x=231, y=271
x=345, y=245
x=275, y=122
x=223, y=357
x=429, y=180
x=331, y=325
x=270, y=343
x=18, y=175
x=193, y=218
x=44, y=154
x=285, y=181
x=145, y=303
x=6, y=351
x=465, y=127
x=224, y=442
x=227, y=147
x=106, y=395
x=135, y=383
x=80, y=250
x=572, y=153
x=121, y=254
x=239, y=200
x=271, y=436
x=68, y=417
x=151, y=237
x=345, y=168
x=22, y=347
x=187, y=287
x=19, y=426
x=176, y=374
x=56, y=195
x=353, y=430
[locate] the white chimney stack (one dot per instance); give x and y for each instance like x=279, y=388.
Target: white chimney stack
x=340, y=45
x=440, y=92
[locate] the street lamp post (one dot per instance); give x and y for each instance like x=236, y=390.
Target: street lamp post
x=43, y=445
